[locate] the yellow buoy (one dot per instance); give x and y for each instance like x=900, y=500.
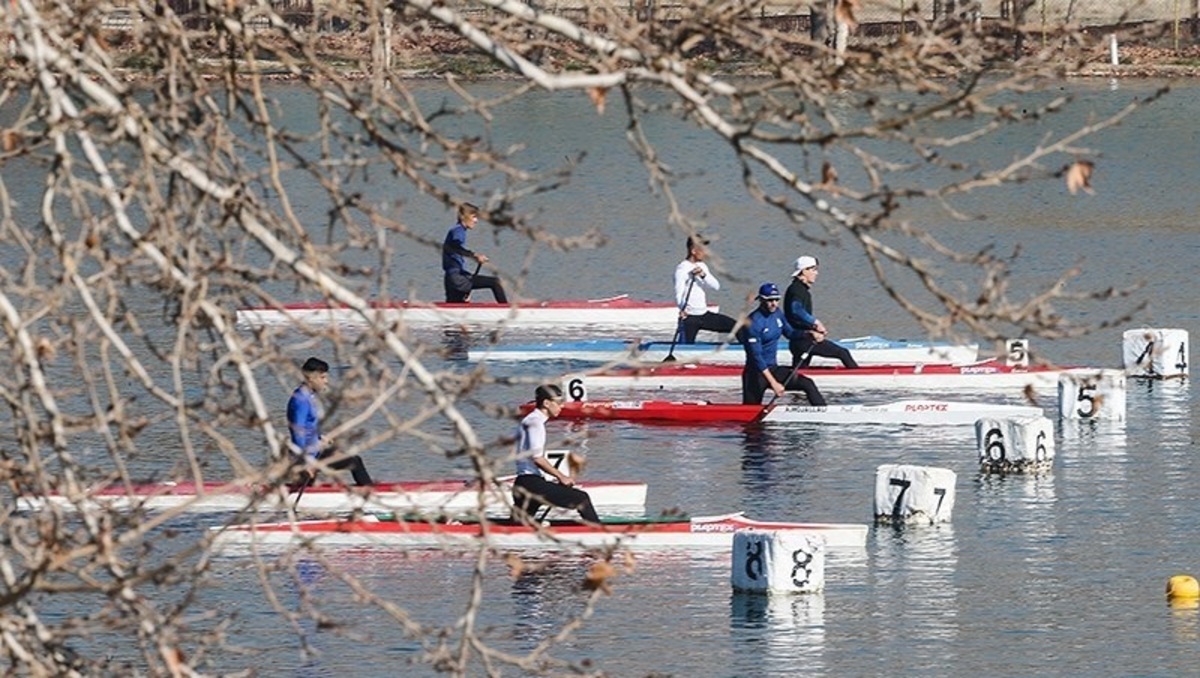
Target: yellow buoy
x=1183, y=586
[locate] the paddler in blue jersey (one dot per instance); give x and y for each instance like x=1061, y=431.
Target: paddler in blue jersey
x=531, y=489
x=304, y=425
x=798, y=307
x=760, y=339
x=457, y=281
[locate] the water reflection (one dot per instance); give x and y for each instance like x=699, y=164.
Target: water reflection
x=1164, y=405
x=915, y=566
x=1095, y=452
x=456, y=344
x=1090, y=437
x=1026, y=500
x=1185, y=622
x=545, y=594
x=786, y=631
x=777, y=458
x=308, y=574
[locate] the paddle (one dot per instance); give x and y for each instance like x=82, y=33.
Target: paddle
x=775, y=396
x=679, y=325
x=305, y=481
x=467, y=297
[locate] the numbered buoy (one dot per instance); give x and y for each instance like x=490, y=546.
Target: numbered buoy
x=565, y=461
x=777, y=561
x=913, y=494
x=574, y=389
x=1016, y=353
x=1092, y=394
x=1016, y=445
x=1156, y=353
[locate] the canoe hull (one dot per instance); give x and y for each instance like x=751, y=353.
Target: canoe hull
x=710, y=533
x=987, y=375
x=448, y=496
x=913, y=412
x=866, y=351
x=615, y=312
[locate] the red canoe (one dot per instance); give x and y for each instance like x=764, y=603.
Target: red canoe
x=984, y=375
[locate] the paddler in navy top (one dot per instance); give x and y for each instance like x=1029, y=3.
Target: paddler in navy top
x=691, y=278
x=760, y=339
x=457, y=280
x=304, y=425
x=531, y=489
x=798, y=307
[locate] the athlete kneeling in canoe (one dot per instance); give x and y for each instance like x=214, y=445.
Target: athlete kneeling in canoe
x=798, y=308
x=760, y=339
x=531, y=489
x=457, y=282
x=304, y=427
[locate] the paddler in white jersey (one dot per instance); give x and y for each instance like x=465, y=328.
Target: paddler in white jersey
x=531, y=489
x=691, y=278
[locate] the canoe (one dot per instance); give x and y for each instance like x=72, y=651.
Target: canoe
x=870, y=350
x=674, y=378
x=917, y=412
x=450, y=496
x=667, y=532
x=619, y=312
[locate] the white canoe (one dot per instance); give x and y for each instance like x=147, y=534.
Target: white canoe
x=869, y=350
x=702, y=532
x=619, y=312
x=676, y=379
x=916, y=412
x=448, y=496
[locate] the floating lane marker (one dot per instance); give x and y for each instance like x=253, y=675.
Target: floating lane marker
x=1155, y=353
x=907, y=494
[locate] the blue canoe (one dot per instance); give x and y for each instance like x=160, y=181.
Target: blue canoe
x=869, y=350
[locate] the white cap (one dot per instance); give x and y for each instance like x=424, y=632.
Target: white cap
x=803, y=263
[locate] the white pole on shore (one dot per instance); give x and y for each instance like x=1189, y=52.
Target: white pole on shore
x=1112, y=49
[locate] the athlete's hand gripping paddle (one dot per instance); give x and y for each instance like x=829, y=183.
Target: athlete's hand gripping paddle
x=775, y=396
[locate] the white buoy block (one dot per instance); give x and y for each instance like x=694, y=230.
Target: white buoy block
x=1155, y=353
x=1016, y=353
x=574, y=390
x=913, y=494
x=777, y=561
x=1092, y=394
x=1015, y=445
x=561, y=460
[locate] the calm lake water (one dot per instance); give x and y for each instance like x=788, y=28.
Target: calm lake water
x=1059, y=574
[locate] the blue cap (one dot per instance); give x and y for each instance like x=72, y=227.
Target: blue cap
x=768, y=291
